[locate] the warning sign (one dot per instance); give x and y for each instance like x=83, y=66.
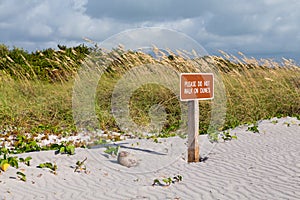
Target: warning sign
x=196, y=86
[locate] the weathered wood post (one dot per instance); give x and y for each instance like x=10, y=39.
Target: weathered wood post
x=193, y=131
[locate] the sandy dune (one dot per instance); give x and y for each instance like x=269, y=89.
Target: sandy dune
x=263, y=165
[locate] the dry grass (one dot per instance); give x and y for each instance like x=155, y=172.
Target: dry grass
x=254, y=90
x=259, y=90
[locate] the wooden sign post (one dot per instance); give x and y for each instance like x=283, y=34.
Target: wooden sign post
x=193, y=131
x=194, y=87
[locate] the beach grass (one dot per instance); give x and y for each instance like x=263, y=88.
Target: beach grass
x=35, y=101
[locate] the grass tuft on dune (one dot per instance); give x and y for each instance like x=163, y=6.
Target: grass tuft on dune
x=36, y=89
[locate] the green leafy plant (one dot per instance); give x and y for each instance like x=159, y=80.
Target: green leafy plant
x=167, y=181
x=21, y=176
x=100, y=141
x=49, y=165
x=227, y=136
x=177, y=178
x=80, y=166
x=26, y=160
x=64, y=148
x=157, y=182
x=13, y=161
x=112, y=150
x=155, y=140
x=253, y=128
x=7, y=160
x=4, y=151
x=25, y=144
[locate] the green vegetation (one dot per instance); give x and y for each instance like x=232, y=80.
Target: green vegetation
x=36, y=92
x=49, y=165
x=47, y=65
x=80, y=166
x=227, y=136
x=26, y=160
x=253, y=128
x=64, y=148
x=21, y=176
x=23, y=144
x=11, y=161
x=167, y=181
x=112, y=150
x=6, y=160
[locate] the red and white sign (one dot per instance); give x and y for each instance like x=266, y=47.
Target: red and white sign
x=196, y=86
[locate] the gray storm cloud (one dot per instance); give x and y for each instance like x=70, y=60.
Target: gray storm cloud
x=254, y=27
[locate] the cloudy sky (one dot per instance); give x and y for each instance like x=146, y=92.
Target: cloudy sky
x=260, y=28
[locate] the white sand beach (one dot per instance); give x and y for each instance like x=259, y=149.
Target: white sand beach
x=263, y=165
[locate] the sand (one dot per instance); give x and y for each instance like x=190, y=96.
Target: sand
x=263, y=165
